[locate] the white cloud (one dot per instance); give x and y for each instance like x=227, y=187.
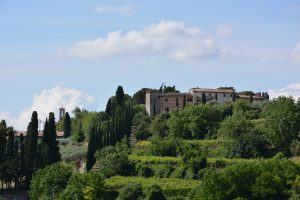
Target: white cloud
x=170, y=39
x=224, y=30
x=290, y=90
x=49, y=100
x=127, y=10
x=296, y=54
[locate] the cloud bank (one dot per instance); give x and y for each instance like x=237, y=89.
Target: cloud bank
x=290, y=90
x=49, y=100
x=296, y=54
x=170, y=39
x=121, y=10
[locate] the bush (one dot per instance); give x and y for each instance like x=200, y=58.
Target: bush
x=47, y=183
x=84, y=186
x=131, y=191
x=113, y=162
x=164, y=147
x=155, y=193
x=270, y=179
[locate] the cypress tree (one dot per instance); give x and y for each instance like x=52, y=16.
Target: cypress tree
x=93, y=144
x=177, y=103
x=251, y=97
x=108, y=109
x=203, y=98
x=22, y=166
x=32, y=142
x=53, y=144
x=120, y=96
x=67, y=125
x=184, y=101
x=216, y=97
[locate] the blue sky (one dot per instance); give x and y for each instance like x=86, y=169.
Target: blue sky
x=76, y=52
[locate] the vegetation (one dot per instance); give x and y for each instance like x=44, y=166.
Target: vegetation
x=235, y=150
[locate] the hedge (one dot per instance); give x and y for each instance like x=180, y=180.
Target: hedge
x=171, y=186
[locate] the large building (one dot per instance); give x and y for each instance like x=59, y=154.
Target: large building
x=157, y=102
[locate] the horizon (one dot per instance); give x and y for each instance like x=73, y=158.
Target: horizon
x=75, y=53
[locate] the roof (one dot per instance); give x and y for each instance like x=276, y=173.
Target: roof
x=175, y=94
x=212, y=90
x=242, y=96
x=40, y=134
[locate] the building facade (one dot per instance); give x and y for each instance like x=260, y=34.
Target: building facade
x=156, y=102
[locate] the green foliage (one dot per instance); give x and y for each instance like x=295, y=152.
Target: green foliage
x=88, y=186
x=141, y=121
x=270, y=179
x=113, y=162
x=169, y=89
x=120, y=96
x=164, y=147
x=131, y=191
x=282, y=121
x=139, y=96
x=155, y=193
x=194, y=122
x=67, y=125
x=159, y=126
x=47, y=183
x=72, y=151
x=171, y=187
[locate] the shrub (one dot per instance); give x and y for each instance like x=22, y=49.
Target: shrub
x=48, y=182
x=155, y=193
x=164, y=147
x=131, y=191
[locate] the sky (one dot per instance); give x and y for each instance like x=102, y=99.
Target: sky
x=70, y=53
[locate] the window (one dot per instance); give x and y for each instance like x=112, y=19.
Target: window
x=231, y=95
x=166, y=109
x=209, y=94
x=166, y=99
x=224, y=95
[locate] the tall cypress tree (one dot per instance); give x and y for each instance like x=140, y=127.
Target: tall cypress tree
x=32, y=142
x=203, y=98
x=67, y=125
x=80, y=136
x=53, y=144
x=120, y=96
x=108, y=109
x=177, y=103
x=94, y=143
x=184, y=101
x=22, y=166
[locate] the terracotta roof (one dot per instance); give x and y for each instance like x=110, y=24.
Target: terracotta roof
x=175, y=94
x=212, y=90
x=40, y=134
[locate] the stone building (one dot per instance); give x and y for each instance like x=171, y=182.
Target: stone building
x=157, y=102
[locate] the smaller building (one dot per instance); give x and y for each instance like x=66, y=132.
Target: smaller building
x=218, y=95
x=257, y=97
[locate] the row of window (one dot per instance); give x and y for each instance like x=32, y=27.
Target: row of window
x=191, y=100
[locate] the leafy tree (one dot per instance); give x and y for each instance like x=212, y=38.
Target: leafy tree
x=113, y=162
x=270, y=179
x=164, y=147
x=67, y=125
x=159, y=126
x=139, y=96
x=88, y=186
x=131, y=191
x=47, y=183
x=282, y=121
x=169, y=89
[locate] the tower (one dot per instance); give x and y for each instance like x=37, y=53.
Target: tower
x=61, y=113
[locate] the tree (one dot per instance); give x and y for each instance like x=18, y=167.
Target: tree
x=67, y=125
x=108, y=109
x=93, y=144
x=177, y=103
x=282, y=121
x=49, y=182
x=184, y=101
x=120, y=96
x=88, y=186
x=203, y=98
x=31, y=143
